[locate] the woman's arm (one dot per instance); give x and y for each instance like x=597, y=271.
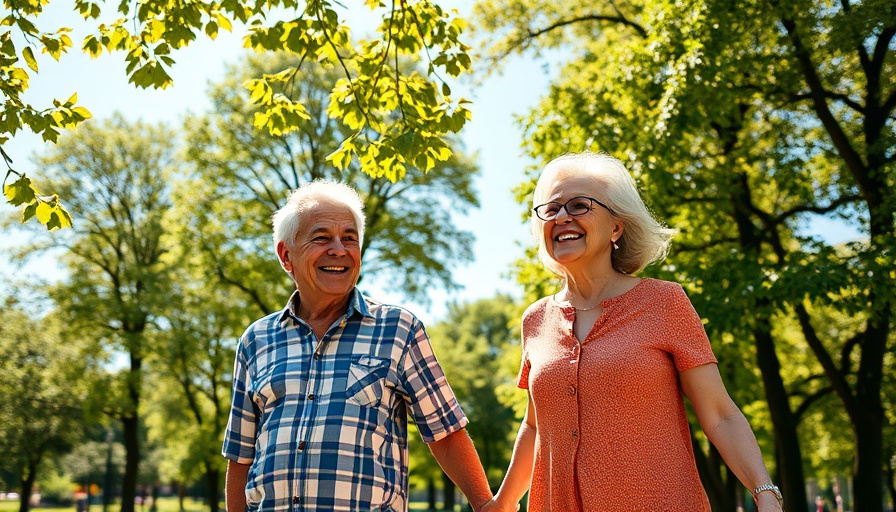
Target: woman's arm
x=728, y=430
x=519, y=473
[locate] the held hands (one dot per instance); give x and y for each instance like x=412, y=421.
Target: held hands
x=494, y=506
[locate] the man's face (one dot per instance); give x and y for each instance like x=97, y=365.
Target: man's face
x=325, y=257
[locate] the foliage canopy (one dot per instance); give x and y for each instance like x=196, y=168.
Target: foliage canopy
x=410, y=112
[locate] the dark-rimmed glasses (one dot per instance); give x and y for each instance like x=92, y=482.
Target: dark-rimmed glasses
x=579, y=205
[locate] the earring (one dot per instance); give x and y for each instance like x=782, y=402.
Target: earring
x=614, y=245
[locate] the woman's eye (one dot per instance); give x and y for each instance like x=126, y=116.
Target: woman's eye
x=579, y=205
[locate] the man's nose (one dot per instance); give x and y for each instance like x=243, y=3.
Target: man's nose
x=337, y=248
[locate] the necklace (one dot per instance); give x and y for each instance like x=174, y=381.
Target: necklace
x=579, y=309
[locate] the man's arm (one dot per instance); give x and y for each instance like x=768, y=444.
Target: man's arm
x=458, y=458
x=235, y=486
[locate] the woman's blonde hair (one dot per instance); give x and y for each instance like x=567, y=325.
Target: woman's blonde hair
x=644, y=240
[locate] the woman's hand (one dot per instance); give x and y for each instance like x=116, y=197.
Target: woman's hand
x=768, y=502
x=494, y=506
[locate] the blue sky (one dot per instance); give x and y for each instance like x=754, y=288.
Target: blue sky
x=492, y=136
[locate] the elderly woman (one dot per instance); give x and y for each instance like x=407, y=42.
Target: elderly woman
x=606, y=358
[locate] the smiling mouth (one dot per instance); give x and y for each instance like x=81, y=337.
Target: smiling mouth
x=567, y=237
x=335, y=270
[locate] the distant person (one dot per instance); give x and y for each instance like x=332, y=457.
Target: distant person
x=820, y=505
x=607, y=357
x=322, y=389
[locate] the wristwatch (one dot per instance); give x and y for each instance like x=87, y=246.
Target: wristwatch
x=772, y=488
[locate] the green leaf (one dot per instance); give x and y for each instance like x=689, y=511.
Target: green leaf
x=28, y=54
x=65, y=218
x=53, y=222
x=29, y=211
x=43, y=211
x=83, y=112
x=19, y=192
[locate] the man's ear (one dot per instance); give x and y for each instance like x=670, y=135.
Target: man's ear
x=283, y=256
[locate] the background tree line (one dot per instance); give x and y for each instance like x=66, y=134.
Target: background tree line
x=741, y=122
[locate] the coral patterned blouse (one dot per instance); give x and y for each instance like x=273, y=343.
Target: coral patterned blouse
x=612, y=429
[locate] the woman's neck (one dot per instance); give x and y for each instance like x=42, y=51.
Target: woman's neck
x=584, y=290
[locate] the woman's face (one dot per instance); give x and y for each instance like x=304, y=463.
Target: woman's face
x=582, y=239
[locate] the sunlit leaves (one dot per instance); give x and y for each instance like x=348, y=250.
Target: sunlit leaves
x=15, y=114
x=411, y=113
x=48, y=209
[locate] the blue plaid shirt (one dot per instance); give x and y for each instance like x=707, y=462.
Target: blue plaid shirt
x=323, y=423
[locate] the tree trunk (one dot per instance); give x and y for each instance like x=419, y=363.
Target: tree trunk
x=431, y=493
x=213, y=483
x=132, y=462
x=449, y=500
x=891, y=488
x=27, y=485
x=710, y=469
x=788, y=455
x=181, y=495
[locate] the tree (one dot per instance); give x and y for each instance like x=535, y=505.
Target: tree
x=242, y=175
x=741, y=122
x=115, y=175
x=470, y=344
x=191, y=370
x=410, y=112
x=41, y=395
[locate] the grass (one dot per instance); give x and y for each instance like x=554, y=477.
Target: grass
x=167, y=504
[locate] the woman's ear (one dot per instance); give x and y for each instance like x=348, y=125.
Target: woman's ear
x=618, y=228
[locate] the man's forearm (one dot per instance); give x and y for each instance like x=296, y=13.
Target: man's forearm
x=235, y=486
x=458, y=458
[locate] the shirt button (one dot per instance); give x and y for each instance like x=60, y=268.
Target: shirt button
x=301, y=445
x=311, y=396
x=295, y=499
x=571, y=390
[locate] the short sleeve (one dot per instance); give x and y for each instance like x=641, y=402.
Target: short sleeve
x=431, y=402
x=686, y=337
x=522, y=380
x=239, y=437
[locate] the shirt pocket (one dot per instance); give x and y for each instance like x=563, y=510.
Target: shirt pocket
x=275, y=386
x=366, y=378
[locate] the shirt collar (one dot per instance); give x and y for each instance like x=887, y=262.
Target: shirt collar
x=356, y=303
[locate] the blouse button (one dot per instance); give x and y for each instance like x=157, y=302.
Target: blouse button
x=571, y=390
x=575, y=433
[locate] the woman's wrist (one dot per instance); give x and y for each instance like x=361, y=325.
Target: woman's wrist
x=767, y=502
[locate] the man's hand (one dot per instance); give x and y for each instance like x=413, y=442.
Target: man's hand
x=493, y=506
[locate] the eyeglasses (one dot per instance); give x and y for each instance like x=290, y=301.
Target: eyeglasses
x=579, y=205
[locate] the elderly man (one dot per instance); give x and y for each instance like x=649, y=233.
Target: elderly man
x=322, y=389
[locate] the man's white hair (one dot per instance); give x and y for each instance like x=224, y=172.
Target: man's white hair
x=288, y=219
